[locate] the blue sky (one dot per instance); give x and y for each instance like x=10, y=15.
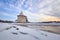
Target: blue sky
x=35, y=10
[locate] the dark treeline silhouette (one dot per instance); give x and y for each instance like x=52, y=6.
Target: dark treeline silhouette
x=52, y=22
x=5, y=21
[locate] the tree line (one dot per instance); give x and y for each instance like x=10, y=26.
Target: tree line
x=5, y=21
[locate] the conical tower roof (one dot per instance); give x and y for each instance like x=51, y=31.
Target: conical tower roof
x=21, y=13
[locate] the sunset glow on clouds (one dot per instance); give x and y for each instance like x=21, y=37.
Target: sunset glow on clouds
x=35, y=10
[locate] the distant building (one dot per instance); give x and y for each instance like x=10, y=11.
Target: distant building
x=22, y=18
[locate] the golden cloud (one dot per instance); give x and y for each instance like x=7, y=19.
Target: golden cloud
x=51, y=18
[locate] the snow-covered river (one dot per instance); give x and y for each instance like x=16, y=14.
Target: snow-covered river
x=15, y=32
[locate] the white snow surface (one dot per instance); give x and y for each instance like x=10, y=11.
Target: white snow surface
x=13, y=32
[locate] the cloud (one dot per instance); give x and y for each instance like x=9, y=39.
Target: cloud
x=38, y=11
x=6, y=14
x=1, y=3
x=35, y=10
x=39, y=17
x=50, y=7
x=51, y=18
x=31, y=16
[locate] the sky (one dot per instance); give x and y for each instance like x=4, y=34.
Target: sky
x=35, y=10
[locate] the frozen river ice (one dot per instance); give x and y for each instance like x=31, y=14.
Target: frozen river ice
x=14, y=32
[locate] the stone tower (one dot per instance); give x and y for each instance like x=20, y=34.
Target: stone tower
x=22, y=18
